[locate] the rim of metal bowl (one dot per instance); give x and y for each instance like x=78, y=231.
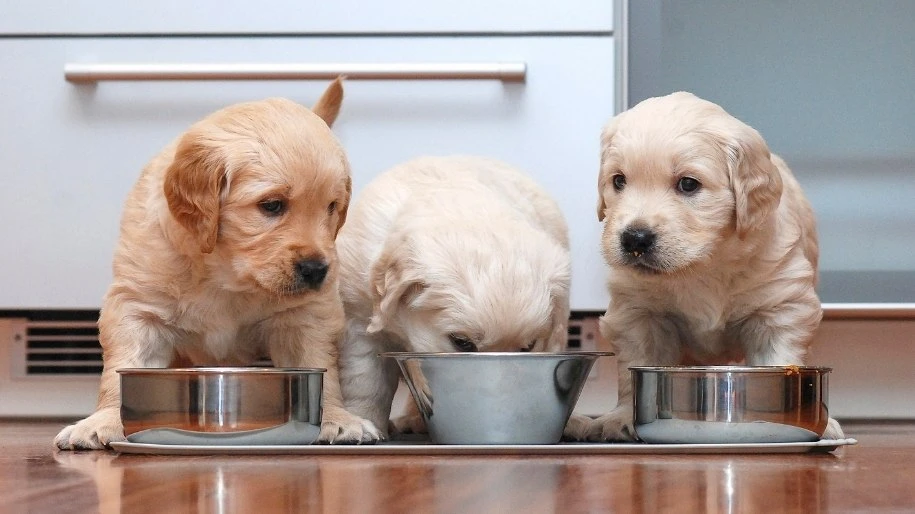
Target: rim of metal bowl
x=236, y=370
x=483, y=355
x=733, y=369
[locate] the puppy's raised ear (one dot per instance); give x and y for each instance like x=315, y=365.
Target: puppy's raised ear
x=328, y=106
x=395, y=282
x=193, y=184
x=603, y=179
x=755, y=180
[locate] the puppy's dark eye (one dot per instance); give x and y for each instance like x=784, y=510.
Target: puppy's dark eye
x=272, y=207
x=688, y=185
x=332, y=208
x=619, y=181
x=462, y=343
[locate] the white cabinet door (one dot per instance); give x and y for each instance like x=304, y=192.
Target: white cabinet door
x=303, y=16
x=70, y=153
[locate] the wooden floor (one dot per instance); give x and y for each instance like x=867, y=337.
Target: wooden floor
x=877, y=475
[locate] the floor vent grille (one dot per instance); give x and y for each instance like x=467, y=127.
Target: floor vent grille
x=59, y=348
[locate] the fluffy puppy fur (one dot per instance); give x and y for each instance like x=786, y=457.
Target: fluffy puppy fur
x=227, y=252
x=711, y=245
x=442, y=255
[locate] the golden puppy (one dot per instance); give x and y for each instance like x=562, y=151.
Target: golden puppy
x=450, y=254
x=711, y=245
x=226, y=253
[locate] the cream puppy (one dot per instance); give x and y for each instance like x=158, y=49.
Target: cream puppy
x=451, y=254
x=711, y=244
x=227, y=253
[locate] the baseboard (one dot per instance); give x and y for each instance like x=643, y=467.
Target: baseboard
x=871, y=361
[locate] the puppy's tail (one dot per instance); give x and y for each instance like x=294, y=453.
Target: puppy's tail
x=328, y=106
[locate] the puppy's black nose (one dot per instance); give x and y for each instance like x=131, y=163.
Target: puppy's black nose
x=637, y=241
x=311, y=272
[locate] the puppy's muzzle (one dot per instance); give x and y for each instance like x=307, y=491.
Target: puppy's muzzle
x=310, y=273
x=637, y=241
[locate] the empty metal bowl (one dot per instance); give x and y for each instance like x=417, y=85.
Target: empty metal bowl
x=221, y=405
x=730, y=404
x=495, y=398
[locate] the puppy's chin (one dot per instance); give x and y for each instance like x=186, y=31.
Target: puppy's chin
x=643, y=264
x=651, y=265
x=645, y=267
x=295, y=288
x=285, y=286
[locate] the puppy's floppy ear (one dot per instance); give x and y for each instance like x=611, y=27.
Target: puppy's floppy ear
x=559, y=317
x=395, y=282
x=603, y=179
x=328, y=106
x=344, y=204
x=755, y=180
x=193, y=184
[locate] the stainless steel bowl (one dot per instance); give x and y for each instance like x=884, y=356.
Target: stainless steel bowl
x=495, y=398
x=730, y=404
x=221, y=405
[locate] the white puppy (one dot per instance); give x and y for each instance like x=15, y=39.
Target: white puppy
x=711, y=245
x=442, y=255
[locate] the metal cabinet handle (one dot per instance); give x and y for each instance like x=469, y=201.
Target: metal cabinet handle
x=502, y=71
x=872, y=311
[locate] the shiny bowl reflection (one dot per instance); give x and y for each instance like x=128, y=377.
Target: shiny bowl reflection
x=495, y=398
x=730, y=404
x=220, y=401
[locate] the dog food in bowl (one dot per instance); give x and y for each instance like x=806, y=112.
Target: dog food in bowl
x=495, y=398
x=244, y=405
x=730, y=404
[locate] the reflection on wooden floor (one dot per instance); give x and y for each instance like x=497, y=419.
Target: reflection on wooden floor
x=877, y=474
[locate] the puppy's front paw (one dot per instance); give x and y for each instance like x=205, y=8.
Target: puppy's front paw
x=578, y=428
x=833, y=430
x=93, y=433
x=341, y=427
x=615, y=426
x=408, y=424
